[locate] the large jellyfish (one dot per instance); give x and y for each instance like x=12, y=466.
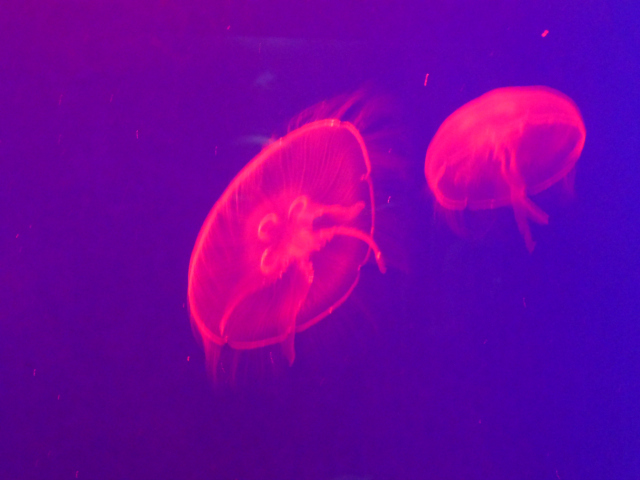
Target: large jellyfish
x=502, y=147
x=284, y=244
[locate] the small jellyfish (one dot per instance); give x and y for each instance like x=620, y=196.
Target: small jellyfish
x=284, y=244
x=502, y=147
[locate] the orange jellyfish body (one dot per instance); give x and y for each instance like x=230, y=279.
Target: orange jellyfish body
x=502, y=147
x=284, y=244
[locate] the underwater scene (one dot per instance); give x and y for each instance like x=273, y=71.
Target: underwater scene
x=319, y=240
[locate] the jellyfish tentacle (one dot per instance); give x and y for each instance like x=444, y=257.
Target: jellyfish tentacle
x=306, y=268
x=534, y=212
x=288, y=347
x=328, y=233
x=523, y=207
x=522, y=220
x=229, y=310
x=212, y=354
x=340, y=212
x=524, y=210
x=347, y=105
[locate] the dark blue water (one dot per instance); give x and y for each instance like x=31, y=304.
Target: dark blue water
x=122, y=123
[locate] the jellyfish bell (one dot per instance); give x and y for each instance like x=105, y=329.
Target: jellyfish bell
x=502, y=147
x=284, y=244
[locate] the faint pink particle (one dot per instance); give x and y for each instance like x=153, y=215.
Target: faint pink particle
x=545, y=33
x=425, y=79
x=60, y=100
x=34, y=372
x=136, y=134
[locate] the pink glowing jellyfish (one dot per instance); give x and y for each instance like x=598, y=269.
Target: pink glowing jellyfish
x=502, y=147
x=284, y=244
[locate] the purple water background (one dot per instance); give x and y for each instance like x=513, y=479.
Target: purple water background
x=122, y=122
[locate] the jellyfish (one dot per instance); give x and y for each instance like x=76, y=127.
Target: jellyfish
x=502, y=147
x=284, y=244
